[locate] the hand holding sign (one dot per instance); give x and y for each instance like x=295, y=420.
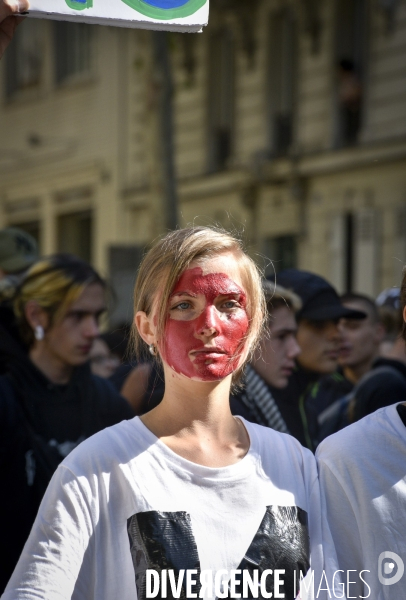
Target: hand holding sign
x=8, y=22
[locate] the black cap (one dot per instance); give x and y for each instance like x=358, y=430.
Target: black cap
x=320, y=300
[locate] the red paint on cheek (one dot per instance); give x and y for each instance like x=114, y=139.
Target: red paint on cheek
x=189, y=347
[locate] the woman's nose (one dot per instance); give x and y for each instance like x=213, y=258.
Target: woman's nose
x=208, y=322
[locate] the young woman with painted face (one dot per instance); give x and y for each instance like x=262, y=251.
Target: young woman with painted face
x=186, y=499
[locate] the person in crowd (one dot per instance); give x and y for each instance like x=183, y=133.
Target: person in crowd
x=384, y=384
x=361, y=338
x=359, y=348
x=18, y=252
x=187, y=490
x=9, y=11
x=144, y=387
x=273, y=361
x=49, y=401
x=102, y=361
x=319, y=338
x=362, y=474
x=117, y=340
x=388, y=302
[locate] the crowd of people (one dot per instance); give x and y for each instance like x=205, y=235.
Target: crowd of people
x=190, y=471
x=225, y=354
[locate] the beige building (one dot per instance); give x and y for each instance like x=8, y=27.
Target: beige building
x=290, y=124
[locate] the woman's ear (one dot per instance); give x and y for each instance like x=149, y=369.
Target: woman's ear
x=146, y=327
x=35, y=315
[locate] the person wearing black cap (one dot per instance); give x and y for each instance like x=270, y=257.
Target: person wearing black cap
x=319, y=338
x=331, y=397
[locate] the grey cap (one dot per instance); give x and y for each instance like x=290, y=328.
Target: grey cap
x=18, y=250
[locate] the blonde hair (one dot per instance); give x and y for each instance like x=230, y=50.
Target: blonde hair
x=171, y=256
x=54, y=283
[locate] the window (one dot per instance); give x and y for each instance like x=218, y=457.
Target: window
x=24, y=59
x=342, y=252
x=221, y=99
x=282, y=80
x=282, y=251
x=350, y=69
x=73, y=51
x=75, y=234
x=355, y=251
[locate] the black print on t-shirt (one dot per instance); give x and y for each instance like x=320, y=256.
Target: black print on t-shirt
x=162, y=540
x=281, y=542
x=165, y=540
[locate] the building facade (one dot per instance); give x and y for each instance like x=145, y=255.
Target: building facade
x=289, y=125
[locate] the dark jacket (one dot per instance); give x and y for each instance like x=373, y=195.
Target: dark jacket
x=40, y=423
x=385, y=384
x=299, y=417
x=327, y=390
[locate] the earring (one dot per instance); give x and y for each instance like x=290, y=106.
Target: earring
x=152, y=349
x=39, y=332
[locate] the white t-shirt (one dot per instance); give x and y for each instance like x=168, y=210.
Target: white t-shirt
x=363, y=479
x=123, y=503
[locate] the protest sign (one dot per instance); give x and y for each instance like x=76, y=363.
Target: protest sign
x=169, y=15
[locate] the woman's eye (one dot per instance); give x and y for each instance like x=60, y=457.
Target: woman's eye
x=182, y=306
x=230, y=304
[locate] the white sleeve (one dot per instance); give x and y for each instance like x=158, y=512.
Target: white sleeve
x=52, y=557
x=338, y=512
x=327, y=581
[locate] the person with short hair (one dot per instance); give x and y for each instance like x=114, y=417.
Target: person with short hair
x=333, y=395
x=273, y=361
x=361, y=338
x=319, y=337
x=388, y=302
x=49, y=400
x=187, y=493
x=362, y=473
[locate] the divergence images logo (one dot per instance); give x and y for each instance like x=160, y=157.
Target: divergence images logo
x=386, y=565
x=155, y=9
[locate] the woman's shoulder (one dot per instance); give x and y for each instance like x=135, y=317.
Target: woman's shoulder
x=116, y=444
x=282, y=445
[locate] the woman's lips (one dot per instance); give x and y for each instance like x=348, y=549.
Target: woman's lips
x=206, y=353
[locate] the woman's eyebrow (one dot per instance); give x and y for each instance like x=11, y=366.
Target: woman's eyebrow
x=184, y=293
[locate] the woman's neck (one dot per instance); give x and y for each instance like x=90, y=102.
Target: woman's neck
x=51, y=366
x=194, y=420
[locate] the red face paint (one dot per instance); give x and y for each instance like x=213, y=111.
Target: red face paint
x=205, y=341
